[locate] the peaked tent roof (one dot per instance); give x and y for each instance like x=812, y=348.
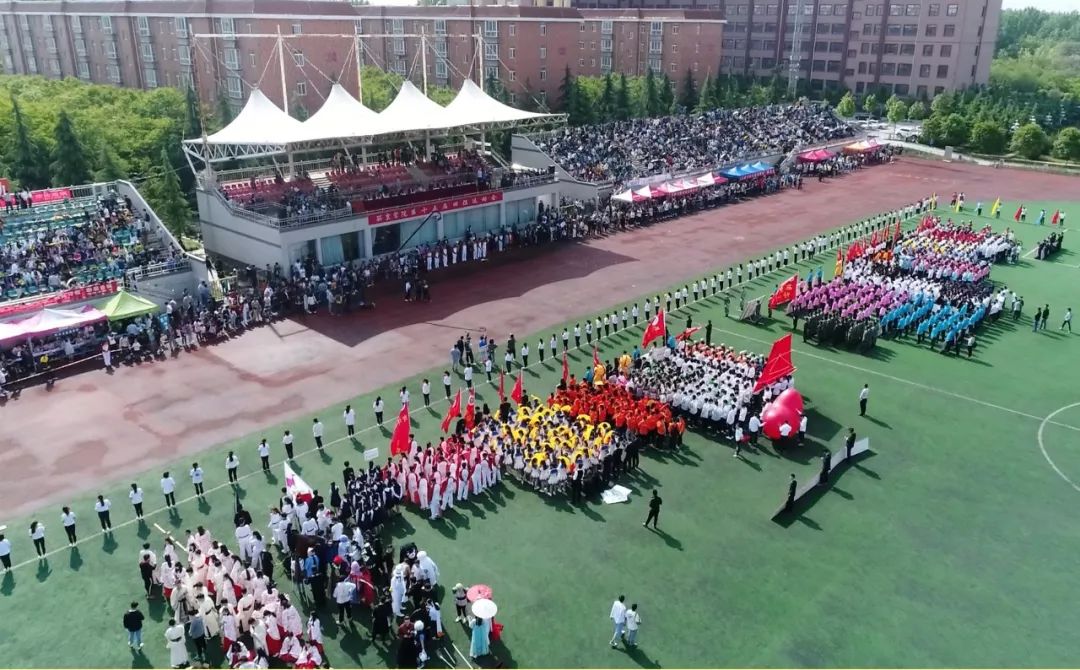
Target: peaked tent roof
x=412, y=110
x=341, y=115
x=124, y=305
x=471, y=106
x=259, y=122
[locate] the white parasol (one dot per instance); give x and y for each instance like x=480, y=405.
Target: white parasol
x=484, y=609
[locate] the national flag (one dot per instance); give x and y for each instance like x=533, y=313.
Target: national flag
x=502, y=388
x=838, y=269
x=565, y=368
x=517, y=392
x=995, y=207
x=295, y=487
x=470, y=410
x=896, y=233
x=855, y=250
x=785, y=293
x=777, y=365
x=595, y=358
x=688, y=333
x=1019, y=210
x=399, y=440
x=655, y=329
x=1056, y=217
x=452, y=413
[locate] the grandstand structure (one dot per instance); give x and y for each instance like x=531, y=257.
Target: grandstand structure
x=349, y=184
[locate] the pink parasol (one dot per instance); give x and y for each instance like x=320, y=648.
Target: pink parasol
x=478, y=592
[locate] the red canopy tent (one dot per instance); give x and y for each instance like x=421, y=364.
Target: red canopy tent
x=863, y=147
x=815, y=156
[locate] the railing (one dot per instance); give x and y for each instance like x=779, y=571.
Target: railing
x=158, y=269
x=304, y=220
x=264, y=171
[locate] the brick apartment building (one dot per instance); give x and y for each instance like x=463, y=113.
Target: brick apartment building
x=912, y=48
x=156, y=43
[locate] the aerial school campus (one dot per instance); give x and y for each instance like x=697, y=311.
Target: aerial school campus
x=944, y=541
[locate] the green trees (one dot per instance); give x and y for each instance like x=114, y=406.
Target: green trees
x=167, y=199
x=869, y=104
x=688, y=99
x=622, y=109
x=917, y=111
x=193, y=112
x=988, y=137
x=846, y=106
x=895, y=110
x=69, y=164
x=607, y=97
x=1029, y=141
x=667, y=95
x=1067, y=144
x=27, y=163
x=652, y=95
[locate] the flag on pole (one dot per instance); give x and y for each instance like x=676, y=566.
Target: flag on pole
x=995, y=207
x=785, y=293
x=565, y=368
x=595, y=357
x=1019, y=211
x=1056, y=217
x=518, y=391
x=452, y=413
x=777, y=365
x=295, y=487
x=399, y=440
x=838, y=269
x=655, y=329
x=470, y=410
x=896, y=233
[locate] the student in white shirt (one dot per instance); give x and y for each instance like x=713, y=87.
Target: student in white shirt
x=287, y=442
x=168, y=487
x=196, y=475
x=37, y=534
x=232, y=463
x=67, y=517
x=264, y=454
x=446, y=383
x=102, y=507
x=404, y=396
x=317, y=432
x=468, y=375
x=618, y=618
x=350, y=420
x=135, y=495
x=425, y=390
x=633, y=620
x=5, y=552
x=377, y=406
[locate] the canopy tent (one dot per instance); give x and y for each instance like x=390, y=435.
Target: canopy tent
x=340, y=116
x=648, y=192
x=748, y=170
x=815, y=156
x=124, y=305
x=862, y=147
x=710, y=179
x=262, y=129
x=678, y=187
x=49, y=321
x=628, y=196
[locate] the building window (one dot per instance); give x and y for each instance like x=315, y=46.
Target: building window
x=54, y=66
x=543, y=53
x=180, y=26
x=657, y=46
x=903, y=69
x=50, y=44
x=513, y=53
x=491, y=51
x=951, y=10
x=605, y=45
x=942, y=71
x=656, y=27
x=440, y=26
x=297, y=29
x=512, y=74
x=84, y=70
x=147, y=52
x=397, y=26
x=80, y=47
x=399, y=66
x=512, y=29
x=543, y=74
x=891, y=49
x=106, y=24
x=605, y=63
x=924, y=71
x=76, y=25
x=949, y=30
x=113, y=72
x=543, y=30
x=931, y=30
x=441, y=70
x=235, y=86
x=946, y=50
x=110, y=50
x=491, y=28
x=491, y=72
x=301, y=88
x=358, y=26
x=823, y=10
x=228, y=26
x=606, y=27
x=232, y=58
x=581, y=27
x=888, y=68
x=150, y=77
x=185, y=54
x=581, y=46
x=440, y=49
x=298, y=58
x=911, y=30
x=928, y=50
x=399, y=46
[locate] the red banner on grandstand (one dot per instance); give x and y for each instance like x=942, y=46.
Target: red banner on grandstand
x=447, y=205
x=78, y=294
x=50, y=195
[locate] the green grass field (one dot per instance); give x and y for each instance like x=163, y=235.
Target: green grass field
x=952, y=544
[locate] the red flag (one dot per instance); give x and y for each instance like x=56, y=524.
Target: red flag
x=896, y=233
x=874, y=238
x=785, y=293
x=778, y=364
x=595, y=357
x=688, y=333
x=452, y=413
x=470, y=410
x=565, y=368
x=1016, y=217
x=854, y=251
x=655, y=329
x=1056, y=217
x=502, y=388
x=517, y=392
x=399, y=441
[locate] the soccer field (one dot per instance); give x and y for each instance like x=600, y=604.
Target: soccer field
x=950, y=545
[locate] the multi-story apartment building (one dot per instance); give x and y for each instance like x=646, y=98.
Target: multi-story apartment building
x=915, y=47
x=226, y=47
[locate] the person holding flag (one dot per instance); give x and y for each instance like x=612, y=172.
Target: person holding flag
x=657, y=328
x=399, y=439
x=452, y=413
x=995, y=209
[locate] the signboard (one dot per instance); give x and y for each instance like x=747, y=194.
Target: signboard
x=71, y=295
x=371, y=454
x=50, y=195
x=447, y=205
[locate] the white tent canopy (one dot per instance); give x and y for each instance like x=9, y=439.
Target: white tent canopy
x=341, y=115
x=472, y=106
x=260, y=122
x=412, y=110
